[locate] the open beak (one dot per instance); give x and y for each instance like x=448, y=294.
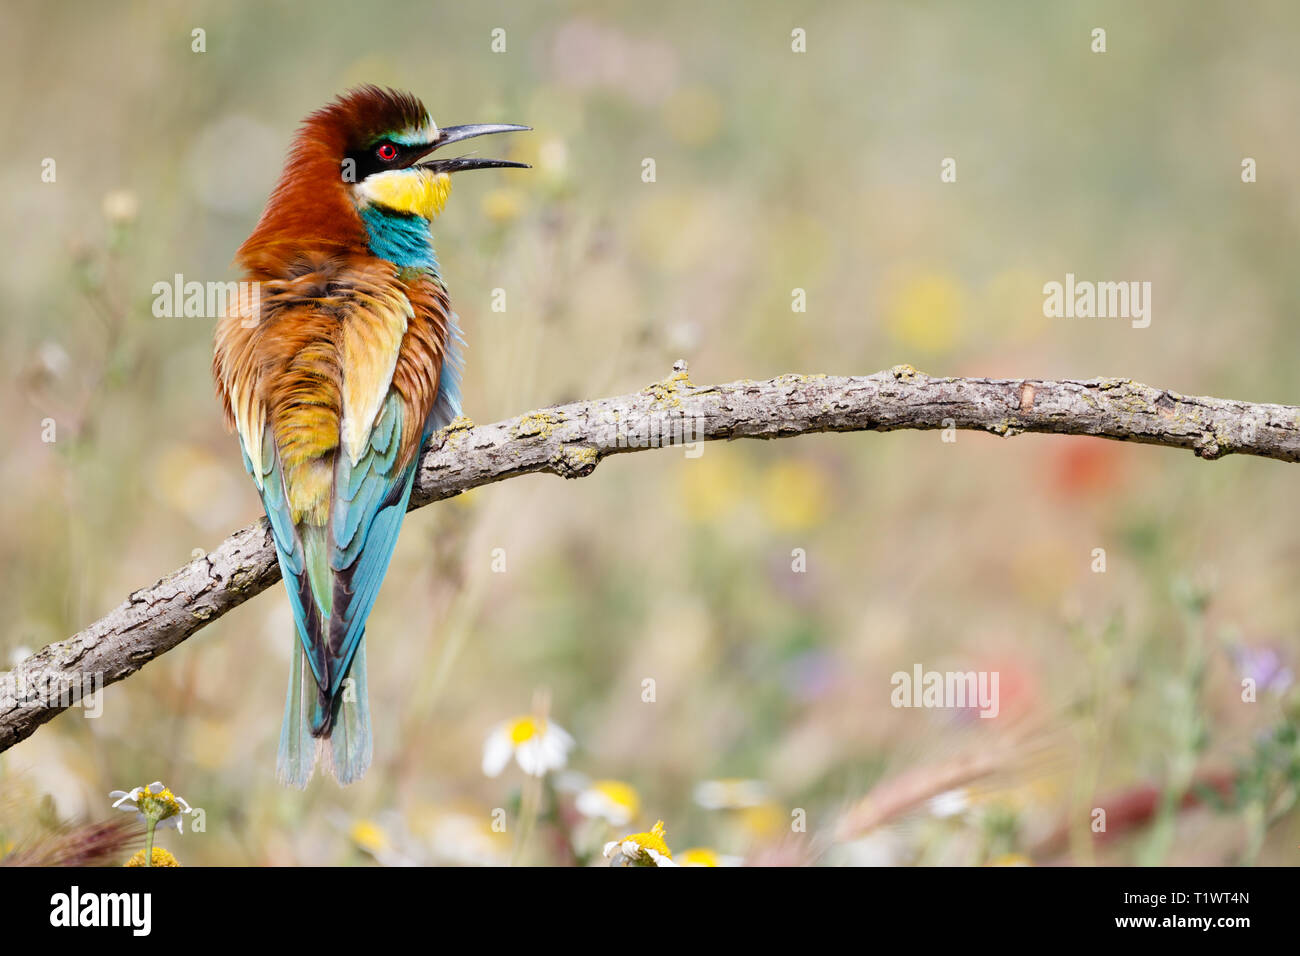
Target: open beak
x=454, y=134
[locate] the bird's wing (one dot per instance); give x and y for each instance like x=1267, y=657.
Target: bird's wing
x=413, y=395
x=330, y=437
x=371, y=494
x=370, y=499
x=347, y=520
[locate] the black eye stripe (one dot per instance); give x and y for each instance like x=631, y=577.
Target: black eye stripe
x=364, y=162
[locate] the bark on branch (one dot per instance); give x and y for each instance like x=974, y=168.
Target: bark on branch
x=570, y=440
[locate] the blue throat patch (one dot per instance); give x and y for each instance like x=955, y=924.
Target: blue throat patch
x=402, y=239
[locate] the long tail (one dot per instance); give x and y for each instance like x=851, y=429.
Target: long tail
x=341, y=738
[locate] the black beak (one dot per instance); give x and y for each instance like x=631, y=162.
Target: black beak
x=454, y=134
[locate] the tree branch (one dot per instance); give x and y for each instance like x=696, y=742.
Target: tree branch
x=570, y=440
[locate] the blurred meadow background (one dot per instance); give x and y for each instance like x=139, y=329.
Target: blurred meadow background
x=776, y=170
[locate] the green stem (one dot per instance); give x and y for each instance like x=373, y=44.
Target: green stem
x=530, y=799
x=148, y=850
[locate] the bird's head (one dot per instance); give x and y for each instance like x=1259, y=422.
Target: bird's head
x=382, y=140
x=368, y=151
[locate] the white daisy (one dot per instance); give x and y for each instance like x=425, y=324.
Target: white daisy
x=640, y=849
x=610, y=800
x=152, y=804
x=950, y=803
x=538, y=746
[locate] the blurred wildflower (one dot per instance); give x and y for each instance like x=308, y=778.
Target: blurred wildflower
x=730, y=794
x=369, y=836
x=467, y=839
x=53, y=358
x=812, y=674
x=377, y=838
x=1087, y=466
x=763, y=821
x=152, y=804
x=925, y=311
x=160, y=857
x=705, y=856
x=794, y=495
x=880, y=847
x=610, y=800
x=538, y=746
x=121, y=207
x=1265, y=666
x=1011, y=859
x=950, y=803
x=640, y=849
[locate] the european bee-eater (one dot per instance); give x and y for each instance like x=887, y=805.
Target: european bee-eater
x=333, y=375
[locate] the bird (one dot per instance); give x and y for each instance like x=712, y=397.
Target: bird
x=339, y=359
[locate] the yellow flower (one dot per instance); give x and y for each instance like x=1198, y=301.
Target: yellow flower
x=538, y=746
x=369, y=836
x=611, y=800
x=640, y=849
x=794, y=495
x=160, y=858
x=153, y=804
x=1011, y=859
x=698, y=856
x=762, y=821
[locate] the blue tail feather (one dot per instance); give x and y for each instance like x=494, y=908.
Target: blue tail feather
x=297, y=756
x=350, y=740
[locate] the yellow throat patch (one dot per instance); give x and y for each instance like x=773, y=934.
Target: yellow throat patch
x=414, y=191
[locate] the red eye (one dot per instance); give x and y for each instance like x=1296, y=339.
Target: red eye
x=387, y=152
